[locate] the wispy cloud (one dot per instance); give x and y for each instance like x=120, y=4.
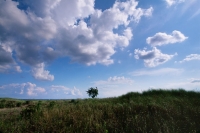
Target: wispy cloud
x=65, y=90
x=114, y=86
x=157, y=72
x=187, y=85
x=173, y=2
x=190, y=58
x=195, y=14
x=188, y=5
x=114, y=81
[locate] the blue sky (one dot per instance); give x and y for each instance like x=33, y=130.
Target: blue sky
x=60, y=48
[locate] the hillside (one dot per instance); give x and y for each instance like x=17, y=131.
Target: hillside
x=151, y=111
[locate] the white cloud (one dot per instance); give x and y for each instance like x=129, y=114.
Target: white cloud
x=76, y=91
x=158, y=72
x=28, y=88
x=152, y=58
x=4, y=68
x=40, y=74
x=65, y=90
x=160, y=38
x=6, y=60
x=31, y=29
x=173, y=2
x=128, y=33
x=18, y=69
x=114, y=81
x=32, y=90
x=10, y=68
x=191, y=57
x=96, y=43
x=50, y=29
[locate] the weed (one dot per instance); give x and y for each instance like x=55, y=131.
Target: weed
x=150, y=111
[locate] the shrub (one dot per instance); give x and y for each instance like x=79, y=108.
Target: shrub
x=92, y=92
x=18, y=104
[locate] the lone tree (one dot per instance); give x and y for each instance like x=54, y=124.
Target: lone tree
x=92, y=92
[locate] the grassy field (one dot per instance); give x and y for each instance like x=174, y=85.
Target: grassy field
x=172, y=111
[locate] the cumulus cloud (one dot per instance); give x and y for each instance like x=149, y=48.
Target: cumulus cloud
x=162, y=71
x=152, y=58
x=173, y=2
x=18, y=69
x=5, y=56
x=114, y=81
x=7, y=62
x=41, y=31
x=160, y=38
x=28, y=89
x=6, y=59
x=96, y=43
x=41, y=74
x=65, y=90
x=191, y=57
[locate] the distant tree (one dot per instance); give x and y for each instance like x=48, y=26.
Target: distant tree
x=92, y=92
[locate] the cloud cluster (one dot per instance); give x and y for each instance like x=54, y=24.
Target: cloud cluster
x=152, y=58
x=7, y=62
x=41, y=31
x=155, y=57
x=191, y=57
x=28, y=89
x=160, y=38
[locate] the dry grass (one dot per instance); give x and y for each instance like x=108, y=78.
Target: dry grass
x=152, y=111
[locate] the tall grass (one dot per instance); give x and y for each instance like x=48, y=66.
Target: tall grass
x=151, y=111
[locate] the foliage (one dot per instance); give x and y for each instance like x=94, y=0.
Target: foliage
x=151, y=111
x=10, y=103
x=92, y=92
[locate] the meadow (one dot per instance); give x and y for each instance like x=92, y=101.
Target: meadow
x=152, y=111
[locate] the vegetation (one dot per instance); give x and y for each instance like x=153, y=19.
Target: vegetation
x=92, y=92
x=165, y=111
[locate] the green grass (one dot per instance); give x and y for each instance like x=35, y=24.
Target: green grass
x=168, y=111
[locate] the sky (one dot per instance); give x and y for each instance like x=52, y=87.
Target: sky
x=58, y=49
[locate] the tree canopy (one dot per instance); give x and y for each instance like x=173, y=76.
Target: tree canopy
x=92, y=92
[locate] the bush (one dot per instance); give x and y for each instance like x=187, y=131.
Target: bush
x=92, y=92
x=10, y=104
x=51, y=104
x=19, y=104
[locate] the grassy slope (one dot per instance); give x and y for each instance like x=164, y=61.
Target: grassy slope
x=151, y=111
